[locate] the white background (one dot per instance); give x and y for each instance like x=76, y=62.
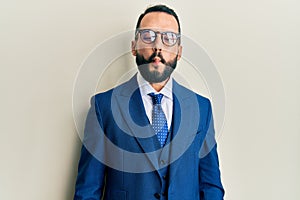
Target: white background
x=254, y=44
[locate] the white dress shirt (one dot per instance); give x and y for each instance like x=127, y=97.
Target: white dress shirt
x=166, y=102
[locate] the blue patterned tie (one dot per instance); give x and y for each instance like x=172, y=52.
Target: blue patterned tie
x=159, y=120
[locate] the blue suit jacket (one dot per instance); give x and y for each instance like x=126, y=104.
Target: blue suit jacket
x=121, y=158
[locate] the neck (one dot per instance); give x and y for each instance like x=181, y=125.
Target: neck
x=160, y=85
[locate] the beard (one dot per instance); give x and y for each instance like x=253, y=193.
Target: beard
x=155, y=76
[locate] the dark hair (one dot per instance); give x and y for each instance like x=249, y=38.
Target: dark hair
x=158, y=8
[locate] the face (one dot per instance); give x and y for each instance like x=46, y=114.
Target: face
x=156, y=61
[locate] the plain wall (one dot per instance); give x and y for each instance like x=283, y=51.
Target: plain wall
x=255, y=46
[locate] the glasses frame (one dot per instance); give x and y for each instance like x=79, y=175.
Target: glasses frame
x=162, y=34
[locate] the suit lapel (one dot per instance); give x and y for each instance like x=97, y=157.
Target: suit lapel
x=132, y=110
x=184, y=127
x=146, y=135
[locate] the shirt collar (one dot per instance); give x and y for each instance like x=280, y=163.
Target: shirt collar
x=146, y=88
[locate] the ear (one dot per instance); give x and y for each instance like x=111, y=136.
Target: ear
x=133, y=48
x=179, y=52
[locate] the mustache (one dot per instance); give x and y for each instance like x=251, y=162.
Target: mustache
x=156, y=54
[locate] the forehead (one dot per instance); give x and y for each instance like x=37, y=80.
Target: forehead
x=159, y=21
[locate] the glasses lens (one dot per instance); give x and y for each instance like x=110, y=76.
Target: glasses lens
x=148, y=36
x=169, y=38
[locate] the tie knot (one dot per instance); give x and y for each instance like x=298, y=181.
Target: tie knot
x=156, y=98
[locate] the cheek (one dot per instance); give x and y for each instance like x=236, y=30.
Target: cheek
x=146, y=52
x=141, y=47
x=169, y=55
x=171, y=52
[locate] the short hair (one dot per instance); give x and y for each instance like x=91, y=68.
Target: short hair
x=158, y=8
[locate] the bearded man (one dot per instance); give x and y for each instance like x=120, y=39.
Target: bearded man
x=150, y=137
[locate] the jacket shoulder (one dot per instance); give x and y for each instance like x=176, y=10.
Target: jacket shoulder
x=202, y=100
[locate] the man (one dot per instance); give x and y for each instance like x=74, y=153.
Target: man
x=150, y=138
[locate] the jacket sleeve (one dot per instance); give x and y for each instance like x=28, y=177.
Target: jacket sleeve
x=91, y=172
x=210, y=181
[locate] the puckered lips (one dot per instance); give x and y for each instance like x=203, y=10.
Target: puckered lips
x=156, y=61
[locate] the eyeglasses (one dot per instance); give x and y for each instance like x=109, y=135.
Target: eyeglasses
x=168, y=38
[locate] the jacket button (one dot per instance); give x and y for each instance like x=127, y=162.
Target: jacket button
x=157, y=195
x=165, y=177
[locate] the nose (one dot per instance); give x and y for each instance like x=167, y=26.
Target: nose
x=157, y=49
x=157, y=45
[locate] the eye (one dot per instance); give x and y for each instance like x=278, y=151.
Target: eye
x=169, y=38
x=148, y=36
